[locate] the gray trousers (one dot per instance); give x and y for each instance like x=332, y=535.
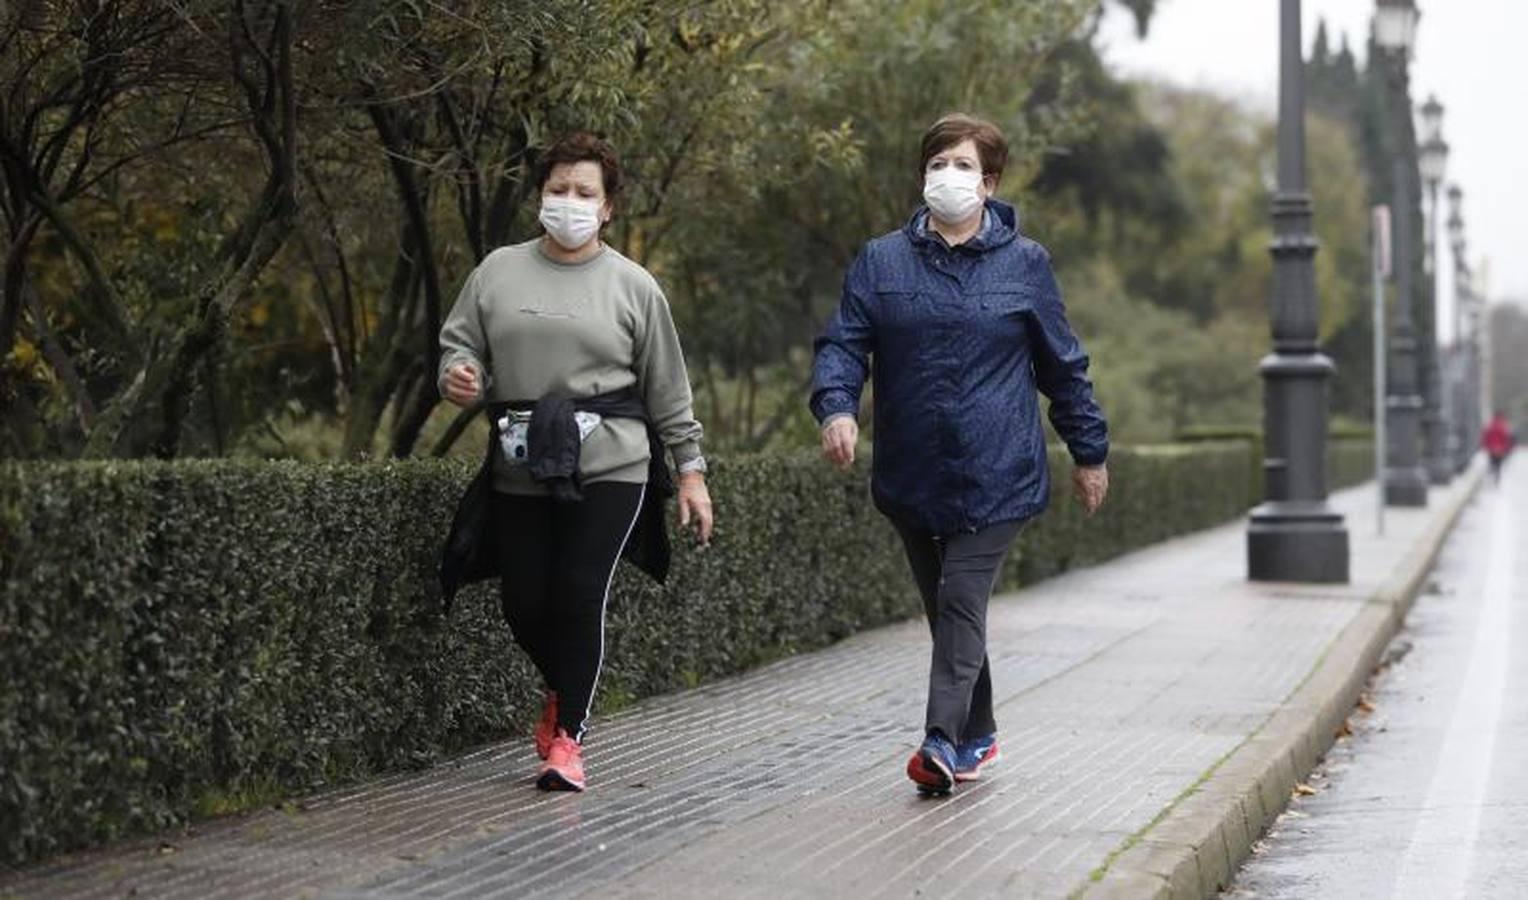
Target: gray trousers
x=955, y=575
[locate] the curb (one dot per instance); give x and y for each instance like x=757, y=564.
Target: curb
x=1199, y=844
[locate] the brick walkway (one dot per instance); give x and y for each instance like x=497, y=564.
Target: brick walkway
x=1118, y=687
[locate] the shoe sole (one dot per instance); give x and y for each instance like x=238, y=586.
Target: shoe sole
x=929, y=776
x=976, y=773
x=555, y=781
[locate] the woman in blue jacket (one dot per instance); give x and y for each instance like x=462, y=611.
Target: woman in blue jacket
x=964, y=322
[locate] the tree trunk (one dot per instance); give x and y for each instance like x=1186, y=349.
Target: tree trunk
x=385, y=356
x=58, y=358
x=416, y=405
x=455, y=430
x=414, y=408
x=14, y=280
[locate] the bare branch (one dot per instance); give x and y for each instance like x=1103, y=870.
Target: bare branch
x=102, y=298
x=62, y=365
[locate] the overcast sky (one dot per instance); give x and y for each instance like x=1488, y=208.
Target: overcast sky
x=1473, y=54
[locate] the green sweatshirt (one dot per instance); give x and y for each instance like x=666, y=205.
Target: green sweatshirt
x=535, y=326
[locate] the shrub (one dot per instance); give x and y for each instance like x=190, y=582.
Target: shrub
x=202, y=636
x=1349, y=452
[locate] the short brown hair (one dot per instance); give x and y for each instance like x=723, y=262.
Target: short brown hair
x=577, y=147
x=951, y=129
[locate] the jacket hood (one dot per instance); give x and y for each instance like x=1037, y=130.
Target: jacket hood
x=1004, y=228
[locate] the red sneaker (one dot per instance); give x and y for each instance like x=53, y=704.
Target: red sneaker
x=564, y=768
x=546, y=729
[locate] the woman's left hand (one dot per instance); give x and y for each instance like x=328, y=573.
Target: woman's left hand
x=695, y=504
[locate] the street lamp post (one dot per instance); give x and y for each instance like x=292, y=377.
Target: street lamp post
x=1467, y=406
x=1474, y=368
x=1438, y=411
x=1395, y=24
x=1294, y=535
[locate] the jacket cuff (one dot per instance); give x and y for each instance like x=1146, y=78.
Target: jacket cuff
x=1091, y=457
x=832, y=403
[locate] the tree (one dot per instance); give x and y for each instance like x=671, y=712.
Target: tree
x=1508, y=323
x=99, y=90
x=77, y=76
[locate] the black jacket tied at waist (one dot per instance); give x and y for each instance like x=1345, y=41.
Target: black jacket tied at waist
x=552, y=457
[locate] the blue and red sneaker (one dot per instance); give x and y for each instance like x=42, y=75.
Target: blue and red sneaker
x=974, y=755
x=932, y=768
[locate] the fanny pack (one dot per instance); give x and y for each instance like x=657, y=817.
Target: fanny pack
x=513, y=427
x=469, y=554
x=546, y=436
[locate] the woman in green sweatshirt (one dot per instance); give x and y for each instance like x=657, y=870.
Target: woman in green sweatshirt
x=566, y=316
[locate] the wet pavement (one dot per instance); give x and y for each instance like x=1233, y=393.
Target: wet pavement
x=1121, y=690
x=1428, y=798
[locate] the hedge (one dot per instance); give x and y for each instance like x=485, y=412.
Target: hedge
x=1349, y=452
x=196, y=637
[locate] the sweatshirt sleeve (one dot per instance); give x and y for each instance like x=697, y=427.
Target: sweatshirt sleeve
x=461, y=336
x=664, y=381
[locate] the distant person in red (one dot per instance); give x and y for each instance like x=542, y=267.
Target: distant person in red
x=1497, y=441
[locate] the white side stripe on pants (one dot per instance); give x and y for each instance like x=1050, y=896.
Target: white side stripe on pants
x=583, y=723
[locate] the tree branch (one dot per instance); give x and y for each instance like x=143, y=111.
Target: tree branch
x=58, y=358
x=102, y=296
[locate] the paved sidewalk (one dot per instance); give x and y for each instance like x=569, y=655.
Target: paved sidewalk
x=1121, y=690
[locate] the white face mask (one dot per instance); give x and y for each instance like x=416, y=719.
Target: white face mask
x=953, y=195
x=571, y=223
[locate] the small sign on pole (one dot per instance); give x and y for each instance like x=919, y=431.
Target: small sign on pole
x=1382, y=241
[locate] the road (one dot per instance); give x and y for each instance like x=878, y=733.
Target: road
x=1428, y=797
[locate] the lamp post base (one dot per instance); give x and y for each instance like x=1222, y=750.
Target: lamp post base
x=1406, y=487
x=1439, y=472
x=1297, y=541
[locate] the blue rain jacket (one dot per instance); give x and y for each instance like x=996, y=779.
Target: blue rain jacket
x=960, y=340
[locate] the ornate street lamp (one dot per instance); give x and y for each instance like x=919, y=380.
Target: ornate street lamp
x=1294, y=535
x=1440, y=410
x=1395, y=29
x=1395, y=25
x=1455, y=224
x=1469, y=419
x=1467, y=413
x=1433, y=162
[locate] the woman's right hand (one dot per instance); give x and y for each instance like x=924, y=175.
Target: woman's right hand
x=463, y=387
x=838, y=440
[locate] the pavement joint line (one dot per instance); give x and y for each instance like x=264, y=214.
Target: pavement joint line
x=1037, y=744
x=967, y=808
x=992, y=858
x=1135, y=839
x=644, y=804
x=386, y=855
x=1394, y=597
x=963, y=806
x=1106, y=646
